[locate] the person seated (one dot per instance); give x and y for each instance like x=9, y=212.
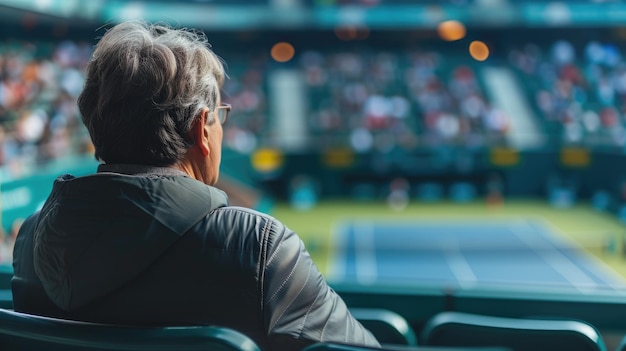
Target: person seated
x=148, y=239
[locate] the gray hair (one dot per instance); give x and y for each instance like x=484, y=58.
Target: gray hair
x=145, y=86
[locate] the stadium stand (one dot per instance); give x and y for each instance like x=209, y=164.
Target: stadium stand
x=576, y=89
x=247, y=90
x=372, y=100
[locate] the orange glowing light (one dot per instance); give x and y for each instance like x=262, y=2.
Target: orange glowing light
x=347, y=33
x=479, y=50
x=451, y=30
x=282, y=52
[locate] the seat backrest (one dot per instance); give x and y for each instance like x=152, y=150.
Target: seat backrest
x=387, y=326
x=324, y=346
x=19, y=331
x=622, y=345
x=6, y=295
x=519, y=334
x=6, y=273
x=6, y=298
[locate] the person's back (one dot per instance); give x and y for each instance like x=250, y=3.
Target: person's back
x=147, y=240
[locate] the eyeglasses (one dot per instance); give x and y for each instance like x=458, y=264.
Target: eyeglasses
x=222, y=112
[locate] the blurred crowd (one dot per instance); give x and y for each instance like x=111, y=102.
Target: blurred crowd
x=579, y=92
x=364, y=99
x=39, y=120
x=247, y=91
x=379, y=100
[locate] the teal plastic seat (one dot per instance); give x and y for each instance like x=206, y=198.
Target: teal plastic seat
x=518, y=334
x=6, y=273
x=6, y=296
x=324, y=346
x=622, y=345
x=387, y=326
x=19, y=331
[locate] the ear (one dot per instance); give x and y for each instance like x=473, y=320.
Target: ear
x=199, y=133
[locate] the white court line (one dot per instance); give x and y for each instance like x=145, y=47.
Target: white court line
x=616, y=283
x=365, y=254
x=336, y=270
x=559, y=262
x=458, y=265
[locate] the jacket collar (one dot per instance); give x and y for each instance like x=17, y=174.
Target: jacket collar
x=139, y=170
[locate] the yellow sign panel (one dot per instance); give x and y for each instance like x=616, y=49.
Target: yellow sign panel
x=575, y=157
x=503, y=156
x=267, y=160
x=338, y=158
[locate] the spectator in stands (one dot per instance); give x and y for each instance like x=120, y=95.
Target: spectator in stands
x=148, y=240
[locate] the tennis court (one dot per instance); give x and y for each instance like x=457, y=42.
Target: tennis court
x=464, y=254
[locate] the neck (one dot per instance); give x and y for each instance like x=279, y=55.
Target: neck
x=194, y=170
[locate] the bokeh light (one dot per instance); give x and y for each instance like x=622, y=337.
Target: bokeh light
x=282, y=52
x=479, y=50
x=29, y=21
x=451, y=30
x=347, y=33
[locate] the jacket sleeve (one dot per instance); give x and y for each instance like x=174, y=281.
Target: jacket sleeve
x=298, y=305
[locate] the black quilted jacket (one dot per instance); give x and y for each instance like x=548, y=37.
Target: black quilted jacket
x=151, y=246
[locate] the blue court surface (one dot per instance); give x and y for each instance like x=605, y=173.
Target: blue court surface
x=517, y=253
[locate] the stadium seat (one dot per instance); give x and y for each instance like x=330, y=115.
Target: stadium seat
x=462, y=192
x=324, y=346
x=430, y=192
x=19, y=331
x=6, y=295
x=6, y=273
x=622, y=345
x=6, y=298
x=465, y=329
x=388, y=326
